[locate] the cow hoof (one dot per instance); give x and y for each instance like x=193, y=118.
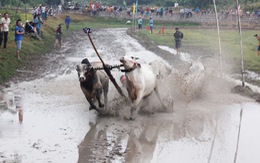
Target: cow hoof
x=129, y=118
x=92, y=107
x=101, y=105
x=132, y=118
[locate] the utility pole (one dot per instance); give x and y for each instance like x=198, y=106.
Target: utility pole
x=241, y=44
x=219, y=41
x=25, y=10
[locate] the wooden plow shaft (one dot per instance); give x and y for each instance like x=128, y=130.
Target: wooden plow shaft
x=106, y=68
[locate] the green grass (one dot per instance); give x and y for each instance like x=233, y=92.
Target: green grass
x=32, y=46
x=207, y=40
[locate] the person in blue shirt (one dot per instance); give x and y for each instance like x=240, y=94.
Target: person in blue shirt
x=197, y=10
x=38, y=22
x=151, y=24
x=18, y=36
x=67, y=22
x=140, y=23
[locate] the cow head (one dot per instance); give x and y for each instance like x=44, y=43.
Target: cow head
x=130, y=62
x=85, y=70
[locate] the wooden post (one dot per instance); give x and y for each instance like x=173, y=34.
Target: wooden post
x=241, y=44
x=107, y=70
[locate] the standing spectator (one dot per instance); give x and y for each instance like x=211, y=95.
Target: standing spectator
x=176, y=4
x=197, y=10
x=258, y=48
x=39, y=10
x=151, y=24
x=5, y=21
x=170, y=11
x=147, y=9
x=34, y=11
x=51, y=12
x=59, y=9
x=140, y=23
x=178, y=35
x=161, y=12
x=158, y=11
x=58, y=36
x=18, y=36
x=67, y=22
x=43, y=8
x=38, y=22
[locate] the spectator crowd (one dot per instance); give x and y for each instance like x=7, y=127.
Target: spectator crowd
x=40, y=14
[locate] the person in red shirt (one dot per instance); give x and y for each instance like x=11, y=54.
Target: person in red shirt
x=97, y=6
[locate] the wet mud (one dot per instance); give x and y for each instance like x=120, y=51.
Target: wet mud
x=44, y=116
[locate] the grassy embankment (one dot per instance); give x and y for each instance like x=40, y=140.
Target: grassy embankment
x=207, y=40
x=32, y=46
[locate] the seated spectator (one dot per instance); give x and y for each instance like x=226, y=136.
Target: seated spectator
x=29, y=27
x=197, y=10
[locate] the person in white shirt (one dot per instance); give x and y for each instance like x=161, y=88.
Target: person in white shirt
x=44, y=12
x=59, y=9
x=33, y=11
x=5, y=21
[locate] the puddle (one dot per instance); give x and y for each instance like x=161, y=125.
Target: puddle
x=47, y=119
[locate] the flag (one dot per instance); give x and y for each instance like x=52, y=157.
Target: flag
x=238, y=8
x=136, y=6
x=133, y=8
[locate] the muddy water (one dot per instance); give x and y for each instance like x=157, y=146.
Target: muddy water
x=47, y=119
x=54, y=122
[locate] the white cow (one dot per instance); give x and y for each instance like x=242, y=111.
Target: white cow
x=140, y=82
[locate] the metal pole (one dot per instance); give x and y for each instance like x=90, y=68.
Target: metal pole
x=219, y=41
x=136, y=9
x=134, y=20
x=241, y=46
x=25, y=11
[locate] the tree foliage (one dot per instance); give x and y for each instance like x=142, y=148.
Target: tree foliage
x=187, y=3
x=168, y=3
x=29, y=2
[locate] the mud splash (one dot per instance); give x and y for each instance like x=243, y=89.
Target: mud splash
x=58, y=127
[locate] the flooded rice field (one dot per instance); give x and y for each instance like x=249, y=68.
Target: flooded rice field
x=46, y=118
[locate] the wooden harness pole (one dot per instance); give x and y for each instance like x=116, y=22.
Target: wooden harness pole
x=106, y=68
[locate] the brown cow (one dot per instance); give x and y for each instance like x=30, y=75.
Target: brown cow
x=93, y=82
